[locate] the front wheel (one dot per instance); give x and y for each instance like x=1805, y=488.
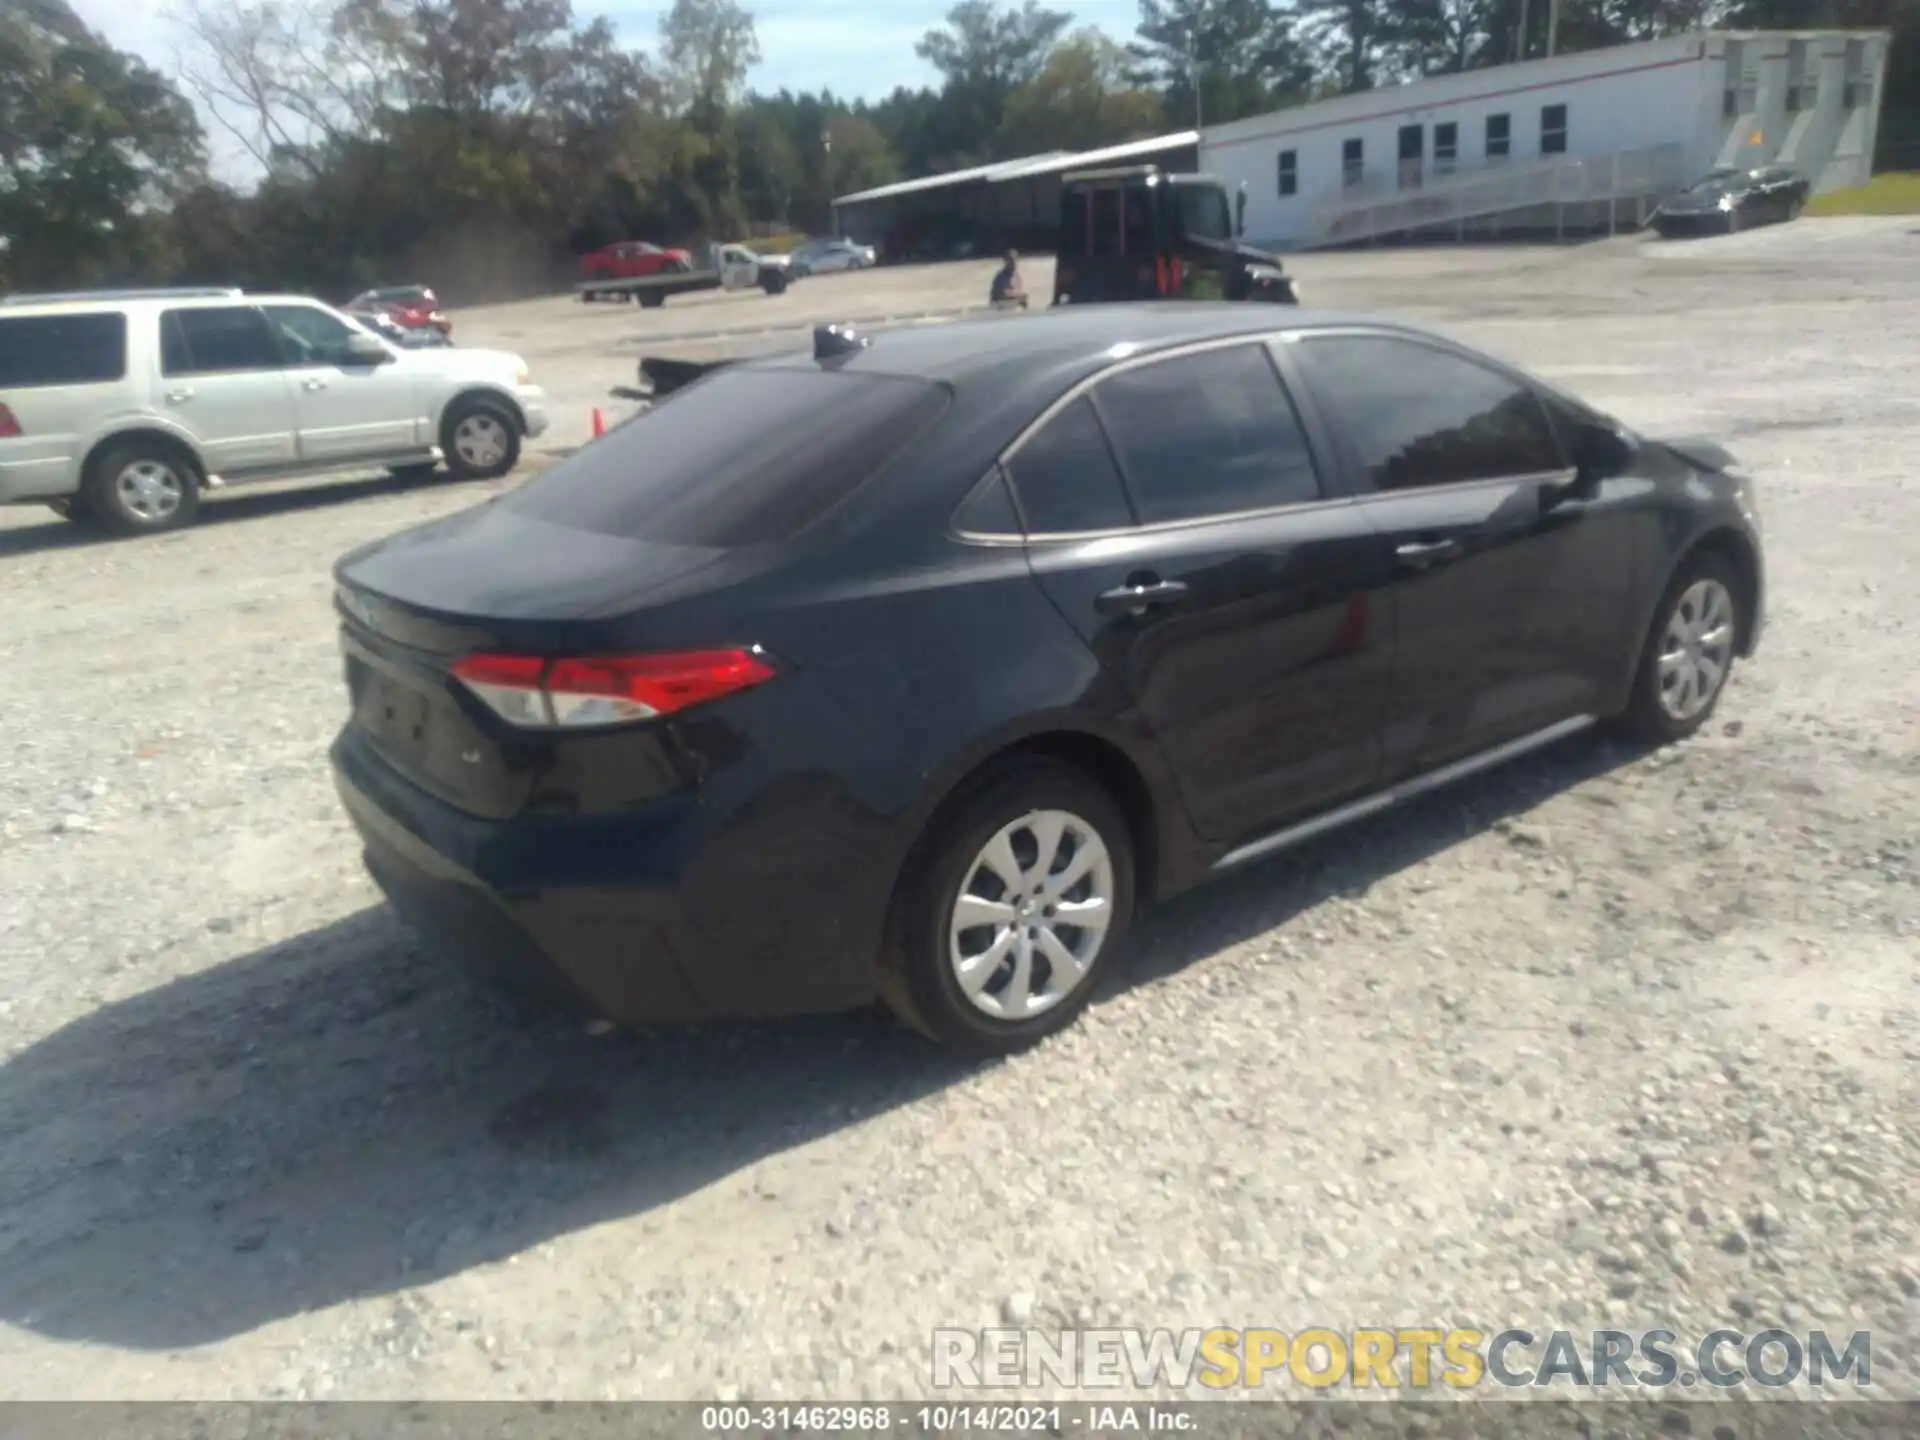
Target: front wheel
x=141, y=487
x=1688, y=653
x=480, y=438
x=1012, y=910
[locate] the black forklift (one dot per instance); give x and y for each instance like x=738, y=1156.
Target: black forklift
x=1143, y=233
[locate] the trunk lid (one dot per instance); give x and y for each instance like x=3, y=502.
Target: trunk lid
x=412, y=605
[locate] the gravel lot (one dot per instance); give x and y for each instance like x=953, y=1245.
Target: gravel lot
x=1602, y=1038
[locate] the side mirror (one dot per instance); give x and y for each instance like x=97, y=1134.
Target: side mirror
x=365, y=349
x=1600, y=452
x=1240, y=212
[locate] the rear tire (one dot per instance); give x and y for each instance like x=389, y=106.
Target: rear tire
x=480, y=438
x=1689, y=652
x=1026, y=970
x=141, y=487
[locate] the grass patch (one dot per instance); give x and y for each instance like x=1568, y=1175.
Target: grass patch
x=1895, y=193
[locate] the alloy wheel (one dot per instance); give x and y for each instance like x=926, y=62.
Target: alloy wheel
x=1031, y=915
x=150, y=490
x=1696, y=649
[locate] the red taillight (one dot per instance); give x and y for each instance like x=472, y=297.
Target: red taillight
x=9, y=427
x=606, y=689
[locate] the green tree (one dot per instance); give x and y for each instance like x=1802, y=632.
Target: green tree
x=1081, y=99
x=984, y=53
x=93, y=144
x=1243, y=54
x=1350, y=35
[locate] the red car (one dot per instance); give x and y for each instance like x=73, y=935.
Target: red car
x=413, y=307
x=630, y=259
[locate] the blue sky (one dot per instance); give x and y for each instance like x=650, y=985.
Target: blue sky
x=859, y=48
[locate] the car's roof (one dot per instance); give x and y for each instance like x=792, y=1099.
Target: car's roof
x=1001, y=348
x=80, y=303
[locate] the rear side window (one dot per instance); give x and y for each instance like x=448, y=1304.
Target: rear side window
x=216, y=340
x=1207, y=434
x=1107, y=222
x=42, y=350
x=1419, y=416
x=1065, y=479
x=743, y=457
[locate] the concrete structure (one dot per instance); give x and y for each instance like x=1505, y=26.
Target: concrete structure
x=978, y=211
x=1578, y=140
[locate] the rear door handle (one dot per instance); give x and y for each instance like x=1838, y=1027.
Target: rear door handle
x=313, y=384
x=180, y=395
x=1425, y=554
x=1140, y=598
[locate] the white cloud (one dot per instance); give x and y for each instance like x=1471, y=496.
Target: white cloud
x=841, y=45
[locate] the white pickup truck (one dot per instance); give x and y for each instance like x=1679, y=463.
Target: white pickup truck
x=722, y=267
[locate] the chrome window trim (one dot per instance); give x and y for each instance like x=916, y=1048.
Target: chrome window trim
x=1289, y=336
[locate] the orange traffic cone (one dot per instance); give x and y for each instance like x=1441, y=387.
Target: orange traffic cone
x=599, y=423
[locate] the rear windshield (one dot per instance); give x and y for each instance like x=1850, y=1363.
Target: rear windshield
x=40, y=350
x=1107, y=222
x=744, y=457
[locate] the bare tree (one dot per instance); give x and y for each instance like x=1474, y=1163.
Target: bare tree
x=285, y=76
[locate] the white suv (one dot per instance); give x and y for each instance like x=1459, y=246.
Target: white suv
x=122, y=406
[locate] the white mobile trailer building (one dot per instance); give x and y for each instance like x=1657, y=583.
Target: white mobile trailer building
x=1629, y=123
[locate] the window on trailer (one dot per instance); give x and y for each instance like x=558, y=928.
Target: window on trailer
x=1353, y=162
x=1446, y=146
x=1289, y=172
x=1499, y=136
x=1553, y=129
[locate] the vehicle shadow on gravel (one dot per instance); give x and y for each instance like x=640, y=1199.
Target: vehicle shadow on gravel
x=226, y=508
x=338, y=1116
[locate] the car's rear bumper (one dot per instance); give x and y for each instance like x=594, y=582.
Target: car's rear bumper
x=40, y=478
x=615, y=951
x=642, y=916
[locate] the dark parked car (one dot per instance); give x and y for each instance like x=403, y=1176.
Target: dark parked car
x=1729, y=200
x=908, y=667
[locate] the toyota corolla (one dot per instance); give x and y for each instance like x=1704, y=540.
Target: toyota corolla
x=910, y=666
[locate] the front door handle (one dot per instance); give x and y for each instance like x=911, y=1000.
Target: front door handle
x=179, y=395
x=1425, y=554
x=1141, y=595
x=313, y=384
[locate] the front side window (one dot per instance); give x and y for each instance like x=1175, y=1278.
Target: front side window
x=46, y=350
x=1416, y=416
x=217, y=340
x=1207, y=434
x=308, y=336
x=1064, y=476
x=741, y=457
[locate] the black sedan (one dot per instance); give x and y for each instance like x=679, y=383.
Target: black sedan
x=1729, y=200
x=907, y=668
